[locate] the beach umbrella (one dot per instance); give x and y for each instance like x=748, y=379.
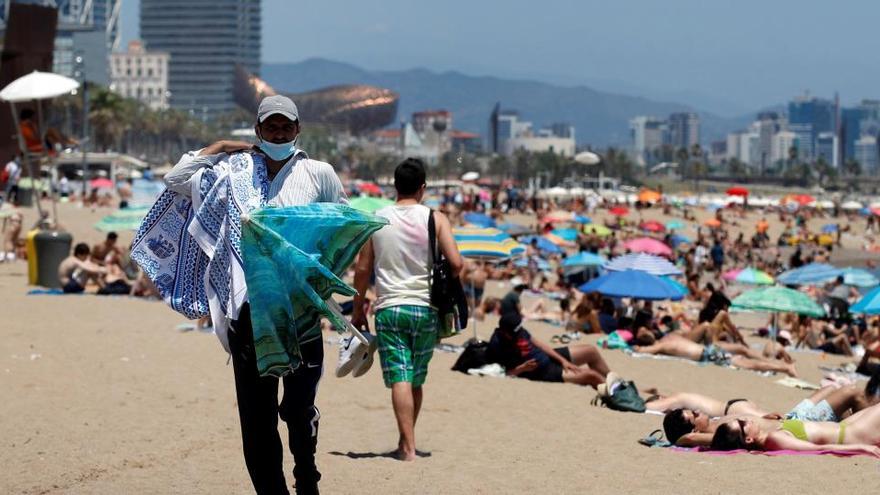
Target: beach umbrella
x=777, y=299
x=369, y=188
x=738, y=191
x=470, y=176
x=859, y=277
x=540, y=263
x=674, y=225
x=649, y=196
x=557, y=192
x=569, y=235
x=869, y=304
x=619, y=211
x=559, y=241
x=479, y=219
x=812, y=274
x=584, y=259
x=652, y=226
x=633, y=284
x=101, y=183
x=800, y=199
x=293, y=258
x=587, y=158
x=369, y=204
x=713, y=223
x=852, y=205
x=514, y=229
x=485, y=243
x=675, y=284
x=38, y=86
x=648, y=245
x=582, y=219
x=655, y=265
x=829, y=228
x=599, y=230
x=543, y=244
x=749, y=276
x=677, y=239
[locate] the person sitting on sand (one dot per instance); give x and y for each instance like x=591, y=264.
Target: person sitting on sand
x=678, y=346
x=115, y=279
x=858, y=433
x=101, y=251
x=13, y=245
x=693, y=426
x=513, y=347
x=76, y=270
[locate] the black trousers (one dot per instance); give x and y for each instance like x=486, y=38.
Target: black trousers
x=258, y=411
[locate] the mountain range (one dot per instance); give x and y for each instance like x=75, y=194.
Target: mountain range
x=601, y=118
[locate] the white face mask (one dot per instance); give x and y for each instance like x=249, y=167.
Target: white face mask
x=278, y=151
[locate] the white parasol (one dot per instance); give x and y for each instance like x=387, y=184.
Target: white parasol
x=38, y=86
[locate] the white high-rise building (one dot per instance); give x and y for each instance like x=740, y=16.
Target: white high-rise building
x=781, y=143
x=141, y=74
x=648, y=134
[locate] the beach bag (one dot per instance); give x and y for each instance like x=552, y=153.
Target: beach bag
x=447, y=294
x=475, y=355
x=625, y=398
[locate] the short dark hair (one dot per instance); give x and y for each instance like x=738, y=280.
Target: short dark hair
x=409, y=176
x=676, y=426
x=81, y=249
x=873, y=386
x=26, y=113
x=112, y=236
x=727, y=438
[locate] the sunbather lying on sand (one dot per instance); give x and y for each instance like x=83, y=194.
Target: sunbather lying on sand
x=858, y=433
x=720, y=354
x=691, y=426
x=513, y=347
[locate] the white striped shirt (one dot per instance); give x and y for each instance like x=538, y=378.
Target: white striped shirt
x=300, y=181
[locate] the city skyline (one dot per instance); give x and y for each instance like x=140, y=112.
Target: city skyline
x=706, y=57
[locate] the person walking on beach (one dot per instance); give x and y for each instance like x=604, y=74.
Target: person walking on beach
x=294, y=180
x=406, y=324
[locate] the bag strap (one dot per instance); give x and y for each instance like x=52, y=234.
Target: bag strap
x=432, y=237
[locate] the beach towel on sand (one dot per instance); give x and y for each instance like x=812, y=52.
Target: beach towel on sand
x=192, y=250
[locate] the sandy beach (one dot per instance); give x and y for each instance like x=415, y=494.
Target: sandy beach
x=103, y=395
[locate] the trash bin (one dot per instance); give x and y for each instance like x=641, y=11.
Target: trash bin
x=51, y=249
x=25, y=197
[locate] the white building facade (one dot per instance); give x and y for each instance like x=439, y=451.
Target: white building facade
x=141, y=74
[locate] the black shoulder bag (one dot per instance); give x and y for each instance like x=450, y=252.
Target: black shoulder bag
x=447, y=295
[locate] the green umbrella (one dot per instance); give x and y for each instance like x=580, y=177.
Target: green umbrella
x=369, y=204
x=778, y=299
x=125, y=219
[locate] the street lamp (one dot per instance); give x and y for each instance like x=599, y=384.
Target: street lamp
x=80, y=64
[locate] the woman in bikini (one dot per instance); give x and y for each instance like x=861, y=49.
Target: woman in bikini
x=858, y=433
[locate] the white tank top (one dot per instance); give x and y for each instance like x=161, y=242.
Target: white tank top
x=402, y=257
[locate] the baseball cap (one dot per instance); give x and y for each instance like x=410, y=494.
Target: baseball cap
x=277, y=104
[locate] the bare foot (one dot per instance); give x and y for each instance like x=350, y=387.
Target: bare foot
x=792, y=371
x=405, y=455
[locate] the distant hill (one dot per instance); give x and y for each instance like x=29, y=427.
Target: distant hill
x=600, y=118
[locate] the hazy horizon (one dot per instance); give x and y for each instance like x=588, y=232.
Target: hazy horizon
x=729, y=58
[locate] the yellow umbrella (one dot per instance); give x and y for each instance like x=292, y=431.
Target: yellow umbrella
x=599, y=230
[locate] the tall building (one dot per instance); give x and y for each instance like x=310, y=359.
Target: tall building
x=828, y=148
x=808, y=117
x=206, y=41
x=684, y=130
x=86, y=28
x=863, y=119
x=867, y=154
x=648, y=135
x=781, y=143
x=140, y=74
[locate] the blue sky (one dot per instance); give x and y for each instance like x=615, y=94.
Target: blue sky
x=735, y=56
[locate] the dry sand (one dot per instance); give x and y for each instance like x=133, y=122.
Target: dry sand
x=103, y=395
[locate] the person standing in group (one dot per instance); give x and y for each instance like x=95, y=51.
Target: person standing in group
x=406, y=325
x=293, y=180
x=11, y=174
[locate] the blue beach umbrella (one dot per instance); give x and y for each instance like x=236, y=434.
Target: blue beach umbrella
x=678, y=239
x=569, y=235
x=812, y=274
x=674, y=225
x=633, y=284
x=858, y=277
x=541, y=263
x=514, y=229
x=544, y=244
x=869, y=304
x=582, y=219
x=485, y=243
x=479, y=219
x=584, y=259
x=675, y=284
x=829, y=228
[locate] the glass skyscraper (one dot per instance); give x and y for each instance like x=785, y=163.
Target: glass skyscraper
x=807, y=118
x=206, y=40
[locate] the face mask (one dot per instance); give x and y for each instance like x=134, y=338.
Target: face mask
x=278, y=152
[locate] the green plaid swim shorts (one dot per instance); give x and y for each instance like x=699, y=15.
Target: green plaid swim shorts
x=407, y=335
